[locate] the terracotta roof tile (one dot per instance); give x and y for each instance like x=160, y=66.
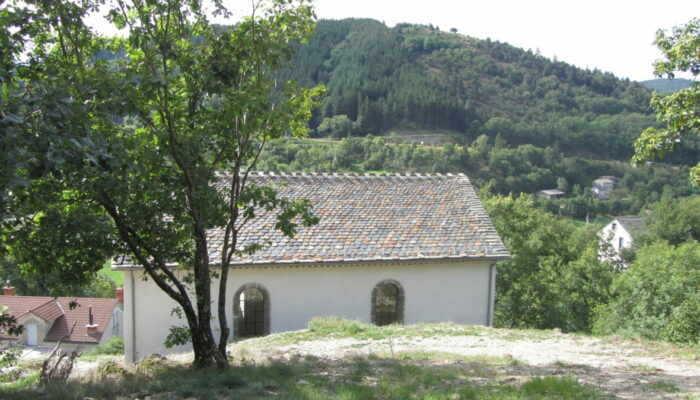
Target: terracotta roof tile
x=59, y=310
x=48, y=311
x=102, y=310
x=389, y=217
x=20, y=305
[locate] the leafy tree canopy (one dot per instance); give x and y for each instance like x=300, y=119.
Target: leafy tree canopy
x=678, y=112
x=553, y=278
x=657, y=296
x=202, y=102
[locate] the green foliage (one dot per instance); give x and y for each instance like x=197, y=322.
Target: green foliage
x=678, y=112
x=116, y=276
x=9, y=326
x=336, y=327
x=415, y=76
x=9, y=357
x=663, y=85
x=8, y=323
x=338, y=126
x=45, y=281
x=115, y=346
x=521, y=169
x=675, y=220
x=684, y=322
x=178, y=336
x=656, y=297
x=201, y=103
x=563, y=388
x=553, y=278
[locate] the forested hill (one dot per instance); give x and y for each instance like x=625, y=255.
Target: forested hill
x=664, y=85
x=417, y=76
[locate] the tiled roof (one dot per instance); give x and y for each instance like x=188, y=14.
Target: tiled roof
x=20, y=305
x=102, y=310
x=630, y=222
x=59, y=311
x=48, y=311
x=371, y=218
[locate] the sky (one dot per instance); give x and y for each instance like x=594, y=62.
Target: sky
x=611, y=35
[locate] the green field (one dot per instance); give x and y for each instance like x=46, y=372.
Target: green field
x=116, y=276
x=599, y=221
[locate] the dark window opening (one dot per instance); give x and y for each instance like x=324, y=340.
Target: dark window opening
x=251, y=319
x=387, y=303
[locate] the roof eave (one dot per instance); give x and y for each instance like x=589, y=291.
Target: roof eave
x=308, y=263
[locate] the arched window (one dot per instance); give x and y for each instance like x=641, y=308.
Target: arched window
x=251, y=311
x=387, y=303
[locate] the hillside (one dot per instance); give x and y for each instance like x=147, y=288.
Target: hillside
x=340, y=359
x=416, y=76
x=666, y=85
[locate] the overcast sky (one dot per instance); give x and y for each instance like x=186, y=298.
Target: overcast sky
x=611, y=35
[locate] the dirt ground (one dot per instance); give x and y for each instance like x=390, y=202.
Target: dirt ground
x=624, y=368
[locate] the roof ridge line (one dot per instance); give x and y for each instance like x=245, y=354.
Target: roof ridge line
x=359, y=174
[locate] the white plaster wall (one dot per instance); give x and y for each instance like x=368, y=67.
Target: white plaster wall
x=42, y=328
x=434, y=292
x=115, y=326
x=613, y=236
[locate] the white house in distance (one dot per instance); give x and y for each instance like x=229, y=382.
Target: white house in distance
x=618, y=233
x=603, y=187
x=388, y=248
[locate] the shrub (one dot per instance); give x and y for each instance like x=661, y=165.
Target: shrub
x=657, y=296
x=684, y=324
x=115, y=346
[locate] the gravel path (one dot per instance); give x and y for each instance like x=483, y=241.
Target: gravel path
x=624, y=368
x=627, y=369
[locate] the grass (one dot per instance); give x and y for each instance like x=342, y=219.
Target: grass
x=116, y=276
x=444, y=356
x=599, y=221
x=650, y=348
x=23, y=384
x=339, y=328
x=114, y=347
x=311, y=379
x=661, y=386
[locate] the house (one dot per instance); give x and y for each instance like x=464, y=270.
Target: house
x=388, y=249
x=550, y=194
x=72, y=320
x=603, y=186
x=618, y=234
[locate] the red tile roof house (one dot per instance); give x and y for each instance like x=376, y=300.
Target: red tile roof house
x=388, y=249
x=47, y=320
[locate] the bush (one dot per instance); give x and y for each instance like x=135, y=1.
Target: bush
x=684, y=323
x=334, y=325
x=115, y=346
x=657, y=297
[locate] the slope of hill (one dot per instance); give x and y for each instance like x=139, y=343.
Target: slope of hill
x=338, y=359
x=417, y=76
x=666, y=85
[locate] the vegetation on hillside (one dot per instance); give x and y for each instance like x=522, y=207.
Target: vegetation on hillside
x=665, y=85
x=678, y=112
x=556, y=277
x=505, y=170
x=380, y=78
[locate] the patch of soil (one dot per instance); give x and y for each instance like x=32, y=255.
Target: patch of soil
x=623, y=368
